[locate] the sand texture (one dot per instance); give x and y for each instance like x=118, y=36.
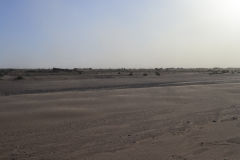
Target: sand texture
x=169, y=122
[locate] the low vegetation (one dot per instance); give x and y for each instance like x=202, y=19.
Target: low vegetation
x=219, y=71
x=130, y=74
x=19, y=78
x=1, y=75
x=157, y=73
x=103, y=73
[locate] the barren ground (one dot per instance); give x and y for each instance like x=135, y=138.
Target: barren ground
x=182, y=116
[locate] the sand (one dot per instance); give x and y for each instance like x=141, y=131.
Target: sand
x=170, y=122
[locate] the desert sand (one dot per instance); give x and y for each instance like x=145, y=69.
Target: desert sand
x=175, y=116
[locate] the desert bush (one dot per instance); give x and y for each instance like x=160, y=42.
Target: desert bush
x=225, y=71
x=77, y=71
x=157, y=73
x=1, y=75
x=214, y=72
x=4, y=71
x=61, y=70
x=218, y=71
x=19, y=78
x=56, y=69
x=145, y=74
x=130, y=74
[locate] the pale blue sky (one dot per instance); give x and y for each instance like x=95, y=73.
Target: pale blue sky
x=114, y=33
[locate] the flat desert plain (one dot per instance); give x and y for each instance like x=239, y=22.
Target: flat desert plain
x=179, y=116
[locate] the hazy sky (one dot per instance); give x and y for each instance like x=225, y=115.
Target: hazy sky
x=119, y=33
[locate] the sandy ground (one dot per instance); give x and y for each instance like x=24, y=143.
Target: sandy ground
x=190, y=122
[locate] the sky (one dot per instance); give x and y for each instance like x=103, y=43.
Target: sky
x=117, y=34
